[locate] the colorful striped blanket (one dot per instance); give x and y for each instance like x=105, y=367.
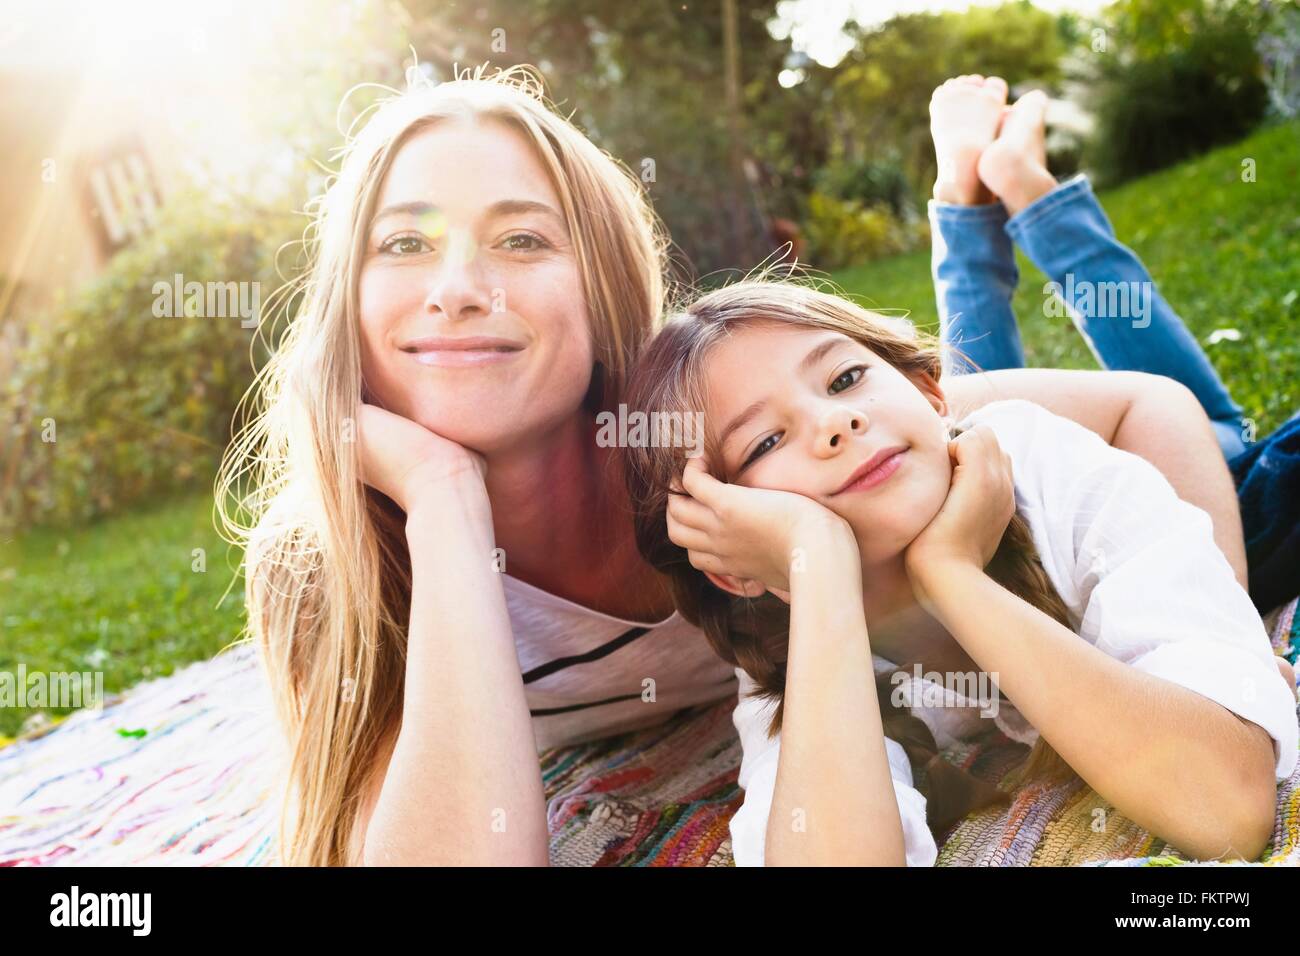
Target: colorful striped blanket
x=201, y=786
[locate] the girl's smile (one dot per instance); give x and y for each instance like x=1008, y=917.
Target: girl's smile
x=878, y=469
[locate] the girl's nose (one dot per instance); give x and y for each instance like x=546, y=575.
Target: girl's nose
x=838, y=426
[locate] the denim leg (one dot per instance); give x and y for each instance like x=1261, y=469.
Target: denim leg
x=974, y=269
x=1114, y=302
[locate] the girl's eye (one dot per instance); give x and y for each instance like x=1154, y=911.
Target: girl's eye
x=404, y=245
x=853, y=376
x=760, y=449
x=846, y=379
x=524, y=242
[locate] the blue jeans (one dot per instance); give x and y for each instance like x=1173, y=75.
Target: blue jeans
x=1105, y=289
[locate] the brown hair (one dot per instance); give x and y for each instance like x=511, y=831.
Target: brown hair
x=753, y=633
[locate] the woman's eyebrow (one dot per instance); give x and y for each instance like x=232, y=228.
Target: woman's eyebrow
x=502, y=207
x=513, y=207
x=416, y=208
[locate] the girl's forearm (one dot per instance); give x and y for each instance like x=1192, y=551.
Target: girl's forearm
x=1166, y=425
x=1151, y=416
x=463, y=785
x=834, y=801
x=1171, y=760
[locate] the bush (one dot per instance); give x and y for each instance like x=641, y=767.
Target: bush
x=1158, y=103
x=869, y=183
x=843, y=232
x=110, y=403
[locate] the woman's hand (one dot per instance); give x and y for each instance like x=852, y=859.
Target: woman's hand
x=970, y=524
x=746, y=533
x=406, y=461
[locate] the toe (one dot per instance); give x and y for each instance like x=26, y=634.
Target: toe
x=997, y=85
x=1034, y=99
x=1027, y=112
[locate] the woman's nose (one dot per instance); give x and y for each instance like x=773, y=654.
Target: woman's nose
x=456, y=287
x=837, y=427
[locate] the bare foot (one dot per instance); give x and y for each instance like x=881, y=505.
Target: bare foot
x=964, y=116
x=1014, y=166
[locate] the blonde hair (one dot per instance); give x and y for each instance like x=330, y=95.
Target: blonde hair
x=753, y=633
x=328, y=581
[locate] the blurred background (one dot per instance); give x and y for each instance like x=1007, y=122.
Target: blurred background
x=149, y=139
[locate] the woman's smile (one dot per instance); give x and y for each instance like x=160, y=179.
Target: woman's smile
x=462, y=351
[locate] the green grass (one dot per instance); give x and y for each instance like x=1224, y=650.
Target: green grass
x=1224, y=253
x=119, y=596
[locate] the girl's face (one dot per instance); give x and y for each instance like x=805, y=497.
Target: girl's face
x=472, y=312
x=810, y=411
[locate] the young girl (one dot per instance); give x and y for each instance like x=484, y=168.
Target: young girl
x=1024, y=547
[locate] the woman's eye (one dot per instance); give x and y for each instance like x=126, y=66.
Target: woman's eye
x=761, y=448
x=849, y=377
x=524, y=242
x=404, y=245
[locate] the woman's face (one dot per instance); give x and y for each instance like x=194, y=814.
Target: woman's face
x=807, y=410
x=473, y=320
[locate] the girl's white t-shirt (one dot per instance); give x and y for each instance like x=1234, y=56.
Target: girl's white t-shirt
x=1143, y=579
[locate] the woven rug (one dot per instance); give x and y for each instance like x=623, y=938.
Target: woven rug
x=185, y=770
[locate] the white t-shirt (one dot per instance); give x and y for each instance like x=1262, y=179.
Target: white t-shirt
x=1142, y=578
x=589, y=675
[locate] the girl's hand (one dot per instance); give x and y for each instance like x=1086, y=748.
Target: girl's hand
x=746, y=533
x=406, y=461
x=970, y=524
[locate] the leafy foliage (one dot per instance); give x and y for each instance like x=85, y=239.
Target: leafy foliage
x=1177, y=77
x=111, y=404
x=844, y=232
x=879, y=96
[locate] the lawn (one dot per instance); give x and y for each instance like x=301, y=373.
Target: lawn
x=1224, y=253
x=120, y=596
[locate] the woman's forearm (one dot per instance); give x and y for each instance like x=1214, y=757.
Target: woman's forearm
x=463, y=785
x=1171, y=760
x=834, y=801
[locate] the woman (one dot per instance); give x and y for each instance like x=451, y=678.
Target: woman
x=441, y=568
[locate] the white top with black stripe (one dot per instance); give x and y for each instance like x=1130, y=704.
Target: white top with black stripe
x=589, y=675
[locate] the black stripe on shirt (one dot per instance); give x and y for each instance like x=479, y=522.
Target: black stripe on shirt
x=549, y=711
x=545, y=670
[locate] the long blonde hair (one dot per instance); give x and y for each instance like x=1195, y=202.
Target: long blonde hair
x=753, y=633
x=328, y=582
